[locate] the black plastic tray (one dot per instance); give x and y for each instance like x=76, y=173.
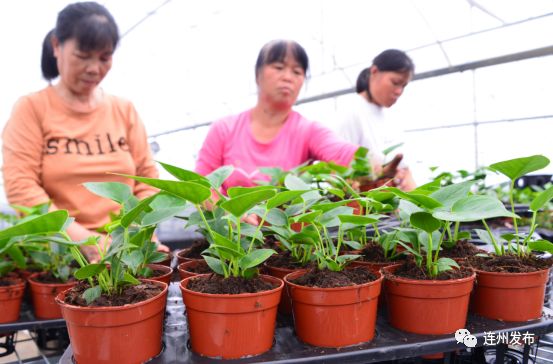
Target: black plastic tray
x=388, y=344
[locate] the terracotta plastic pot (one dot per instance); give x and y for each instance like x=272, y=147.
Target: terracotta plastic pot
x=10, y=300
x=334, y=317
x=44, y=297
x=231, y=326
x=430, y=307
x=357, y=209
x=509, y=296
x=374, y=267
x=167, y=261
x=181, y=256
x=122, y=334
x=285, y=305
x=184, y=268
x=165, y=277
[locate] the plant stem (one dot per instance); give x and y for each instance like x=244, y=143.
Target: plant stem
x=258, y=229
x=497, y=249
x=511, y=200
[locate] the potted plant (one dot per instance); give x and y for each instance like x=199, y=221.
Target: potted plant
x=112, y=316
x=424, y=289
x=513, y=274
x=232, y=313
x=333, y=306
x=11, y=256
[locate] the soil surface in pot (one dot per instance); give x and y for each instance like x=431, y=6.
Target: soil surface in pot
x=410, y=270
x=196, y=249
x=510, y=263
x=200, y=268
x=283, y=260
x=373, y=252
x=461, y=249
x=216, y=284
x=129, y=294
x=48, y=277
x=271, y=242
x=155, y=273
x=328, y=279
x=8, y=281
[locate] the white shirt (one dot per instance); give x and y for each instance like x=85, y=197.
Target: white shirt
x=366, y=124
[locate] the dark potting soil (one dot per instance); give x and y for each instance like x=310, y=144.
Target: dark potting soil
x=283, y=260
x=373, y=252
x=129, y=295
x=328, y=279
x=409, y=269
x=461, y=249
x=8, y=281
x=270, y=242
x=155, y=273
x=196, y=249
x=510, y=263
x=216, y=284
x=200, y=268
x=48, y=277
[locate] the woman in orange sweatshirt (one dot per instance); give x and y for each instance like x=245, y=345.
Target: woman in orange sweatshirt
x=73, y=132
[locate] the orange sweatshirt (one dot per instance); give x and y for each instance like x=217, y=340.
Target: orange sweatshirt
x=49, y=150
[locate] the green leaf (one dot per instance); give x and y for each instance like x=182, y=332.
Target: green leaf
x=283, y=197
x=91, y=294
x=164, y=206
x=277, y=217
x=194, y=192
x=360, y=220
x=238, y=190
x=416, y=198
x=218, y=176
x=353, y=244
x=518, y=167
x=129, y=217
x=222, y=241
x=215, y=264
x=89, y=270
x=485, y=236
x=17, y=256
x=330, y=218
x=463, y=235
x=474, y=208
x=51, y=222
x=255, y=258
x=116, y=191
x=392, y=148
x=185, y=175
x=541, y=199
x=238, y=206
x=445, y=264
x=133, y=260
x=425, y=221
x=130, y=279
x=41, y=258
x=448, y=195
x=541, y=245
x=327, y=206
x=307, y=217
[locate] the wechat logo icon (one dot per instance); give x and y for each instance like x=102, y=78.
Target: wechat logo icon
x=464, y=336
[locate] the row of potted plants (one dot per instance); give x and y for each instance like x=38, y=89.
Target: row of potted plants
x=322, y=240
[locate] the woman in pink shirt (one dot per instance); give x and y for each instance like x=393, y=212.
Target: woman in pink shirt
x=271, y=134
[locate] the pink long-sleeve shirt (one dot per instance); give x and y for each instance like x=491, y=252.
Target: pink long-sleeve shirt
x=230, y=142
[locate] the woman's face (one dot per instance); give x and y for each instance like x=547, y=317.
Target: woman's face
x=387, y=86
x=81, y=71
x=279, y=83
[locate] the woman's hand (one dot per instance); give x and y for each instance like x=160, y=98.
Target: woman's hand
x=404, y=180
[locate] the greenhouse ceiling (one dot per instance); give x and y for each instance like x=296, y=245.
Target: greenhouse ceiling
x=185, y=63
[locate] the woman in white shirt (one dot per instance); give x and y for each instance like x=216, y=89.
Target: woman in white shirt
x=364, y=123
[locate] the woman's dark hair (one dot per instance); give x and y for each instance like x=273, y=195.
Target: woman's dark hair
x=391, y=60
x=90, y=23
x=276, y=50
